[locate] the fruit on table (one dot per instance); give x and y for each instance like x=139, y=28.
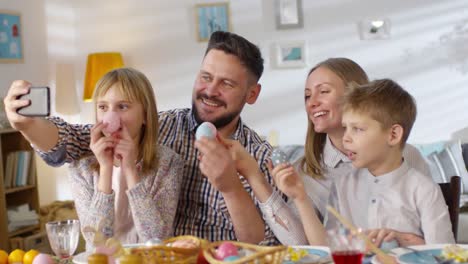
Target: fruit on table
x=3, y=257
x=29, y=256
x=16, y=256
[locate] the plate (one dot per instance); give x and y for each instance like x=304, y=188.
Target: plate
x=423, y=256
x=82, y=258
x=314, y=254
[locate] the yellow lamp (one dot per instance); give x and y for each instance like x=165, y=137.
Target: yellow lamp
x=98, y=65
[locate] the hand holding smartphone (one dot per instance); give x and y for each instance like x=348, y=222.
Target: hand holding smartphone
x=39, y=98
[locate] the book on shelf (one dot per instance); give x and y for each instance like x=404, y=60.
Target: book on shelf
x=19, y=169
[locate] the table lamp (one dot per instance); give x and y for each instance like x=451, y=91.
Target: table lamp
x=98, y=65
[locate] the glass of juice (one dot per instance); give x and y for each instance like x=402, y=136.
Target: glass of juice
x=346, y=247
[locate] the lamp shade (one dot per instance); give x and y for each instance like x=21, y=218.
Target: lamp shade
x=98, y=65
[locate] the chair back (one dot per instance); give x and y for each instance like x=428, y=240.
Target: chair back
x=451, y=192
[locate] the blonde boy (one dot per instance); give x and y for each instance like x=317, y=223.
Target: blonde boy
x=388, y=198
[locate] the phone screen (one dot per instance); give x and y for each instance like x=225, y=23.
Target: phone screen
x=40, y=102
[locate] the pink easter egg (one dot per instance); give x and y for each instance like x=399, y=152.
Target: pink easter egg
x=43, y=259
x=226, y=249
x=112, y=120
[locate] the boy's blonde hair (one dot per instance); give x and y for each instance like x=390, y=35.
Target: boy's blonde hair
x=348, y=71
x=135, y=87
x=384, y=101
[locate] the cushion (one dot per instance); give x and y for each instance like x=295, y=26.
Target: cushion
x=449, y=162
x=465, y=154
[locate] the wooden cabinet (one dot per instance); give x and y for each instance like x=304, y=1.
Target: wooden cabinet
x=12, y=141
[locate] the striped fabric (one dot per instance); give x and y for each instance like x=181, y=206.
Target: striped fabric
x=202, y=211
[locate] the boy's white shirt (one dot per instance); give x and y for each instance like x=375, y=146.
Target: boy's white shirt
x=336, y=165
x=404, y=200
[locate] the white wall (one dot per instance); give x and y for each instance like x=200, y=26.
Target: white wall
x=158, y=38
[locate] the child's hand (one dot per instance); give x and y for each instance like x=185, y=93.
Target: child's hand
x=246, y=165
x=101, y=146
x=288, y=181
x=126, y=150
x=378, y=236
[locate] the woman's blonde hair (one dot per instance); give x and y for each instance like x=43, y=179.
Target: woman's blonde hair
x=135, y=87
x=348, y=71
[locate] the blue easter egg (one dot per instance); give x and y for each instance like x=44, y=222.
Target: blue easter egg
x=231, y=258
x=278, y=157
x=389, y=245
x=206, y=129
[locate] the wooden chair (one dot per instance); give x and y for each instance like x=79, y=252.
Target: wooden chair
x=451, y=192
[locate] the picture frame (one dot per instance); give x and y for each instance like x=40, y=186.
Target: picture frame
x=212, y=17
x=373, y=29
x=289, y=14
x=11, y=42
x=291, y=54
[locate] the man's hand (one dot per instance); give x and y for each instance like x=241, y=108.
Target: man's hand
x=12, y=104
x=217, y=165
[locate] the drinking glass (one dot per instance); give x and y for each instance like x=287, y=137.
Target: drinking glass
x=63, y=237
x=346, y=247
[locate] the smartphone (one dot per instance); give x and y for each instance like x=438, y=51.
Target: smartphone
x=39, y=98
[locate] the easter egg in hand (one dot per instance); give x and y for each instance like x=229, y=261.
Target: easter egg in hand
x=112, y=120
x=278, y=157
x=43, y=259
x=206, y=129
x=225, y=250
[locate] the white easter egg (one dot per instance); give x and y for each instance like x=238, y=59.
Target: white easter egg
x=206, y=129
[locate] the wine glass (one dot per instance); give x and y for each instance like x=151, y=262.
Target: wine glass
x=345, y=246
x=63, y=237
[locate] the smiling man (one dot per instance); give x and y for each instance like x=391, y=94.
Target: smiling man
x=215, y=203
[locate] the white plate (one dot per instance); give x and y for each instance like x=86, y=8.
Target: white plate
x=405, y=256
x=82, y=258
x=315, y=253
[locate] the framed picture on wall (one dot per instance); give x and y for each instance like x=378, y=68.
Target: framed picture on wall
x=11, y=43
x=210, y=18
x=288, y=14
x=291, y=54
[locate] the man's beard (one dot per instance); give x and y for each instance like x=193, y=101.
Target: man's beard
x=219, y=122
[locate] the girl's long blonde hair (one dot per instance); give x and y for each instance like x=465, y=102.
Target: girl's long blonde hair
x=136, y=88
x=348, y=71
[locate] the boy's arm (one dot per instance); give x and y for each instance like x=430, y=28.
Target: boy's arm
x=435, y=218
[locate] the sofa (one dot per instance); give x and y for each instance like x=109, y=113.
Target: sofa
x=445, y=159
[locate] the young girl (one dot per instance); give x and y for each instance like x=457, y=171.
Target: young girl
x=129, y=187
x=131, y=183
